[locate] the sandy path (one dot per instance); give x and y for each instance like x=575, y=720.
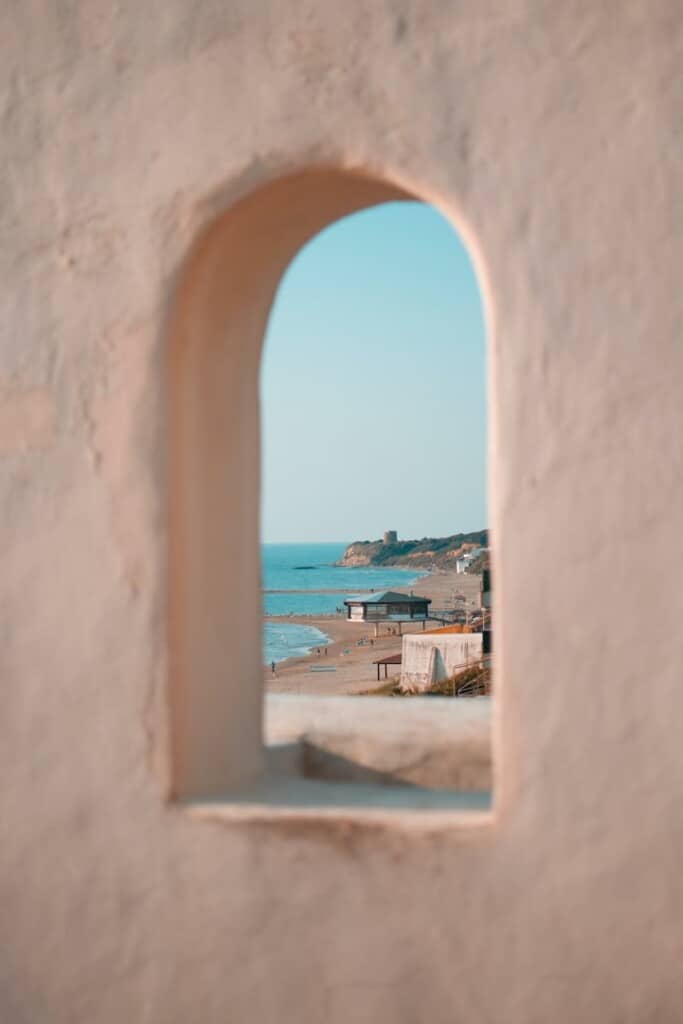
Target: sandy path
x=353, y=663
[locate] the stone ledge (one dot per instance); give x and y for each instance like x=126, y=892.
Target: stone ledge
x=412, y=763
x=432, y=743
x=291, y=800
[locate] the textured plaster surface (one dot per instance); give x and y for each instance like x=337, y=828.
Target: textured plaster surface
x=552, y=134
x=437, y=744
x=428, y=659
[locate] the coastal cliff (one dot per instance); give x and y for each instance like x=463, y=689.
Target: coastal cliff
x=430, y=551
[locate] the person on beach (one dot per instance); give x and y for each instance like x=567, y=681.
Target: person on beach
x=272, y=667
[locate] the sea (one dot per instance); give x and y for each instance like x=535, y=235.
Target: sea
x=294, y=576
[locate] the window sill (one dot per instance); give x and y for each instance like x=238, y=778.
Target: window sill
x=417, y=762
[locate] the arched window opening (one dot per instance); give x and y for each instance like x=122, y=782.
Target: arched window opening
x=374, y=522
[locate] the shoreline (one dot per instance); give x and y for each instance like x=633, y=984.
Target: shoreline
x=347, y=667
x=305, y=622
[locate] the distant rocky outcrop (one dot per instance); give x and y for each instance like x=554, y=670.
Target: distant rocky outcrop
x=421, y=554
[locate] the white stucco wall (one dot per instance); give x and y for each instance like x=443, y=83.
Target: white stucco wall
x=551, y=133
x=432, y=657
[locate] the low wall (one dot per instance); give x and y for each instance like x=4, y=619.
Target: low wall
x=437, y=744
x=431, y=657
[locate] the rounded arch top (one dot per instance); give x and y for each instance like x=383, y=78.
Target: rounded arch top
x=217, y=325
x=244, y=250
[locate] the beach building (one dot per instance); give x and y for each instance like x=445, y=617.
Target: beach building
x=463, y=563
x=436, y=655
x=387, y=606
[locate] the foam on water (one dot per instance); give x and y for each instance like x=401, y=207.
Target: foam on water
x=290, y=640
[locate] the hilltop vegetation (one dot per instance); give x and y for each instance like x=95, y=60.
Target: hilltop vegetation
x=430, y=551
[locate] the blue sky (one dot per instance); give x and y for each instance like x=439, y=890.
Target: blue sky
x=373, y=384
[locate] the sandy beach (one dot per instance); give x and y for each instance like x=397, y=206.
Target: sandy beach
x=348, y=666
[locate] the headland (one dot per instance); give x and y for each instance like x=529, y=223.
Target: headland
x=427, y=553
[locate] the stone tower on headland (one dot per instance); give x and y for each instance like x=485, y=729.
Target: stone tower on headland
x=390, y=537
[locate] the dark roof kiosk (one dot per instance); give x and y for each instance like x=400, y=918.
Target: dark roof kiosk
x=387, y=606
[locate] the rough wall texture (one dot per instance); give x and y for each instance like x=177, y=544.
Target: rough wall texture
x=554, y=131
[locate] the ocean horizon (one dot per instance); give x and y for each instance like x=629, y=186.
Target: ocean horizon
x=294, y=575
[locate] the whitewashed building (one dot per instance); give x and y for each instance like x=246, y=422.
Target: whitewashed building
x=463, y=563
x=429, y=658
